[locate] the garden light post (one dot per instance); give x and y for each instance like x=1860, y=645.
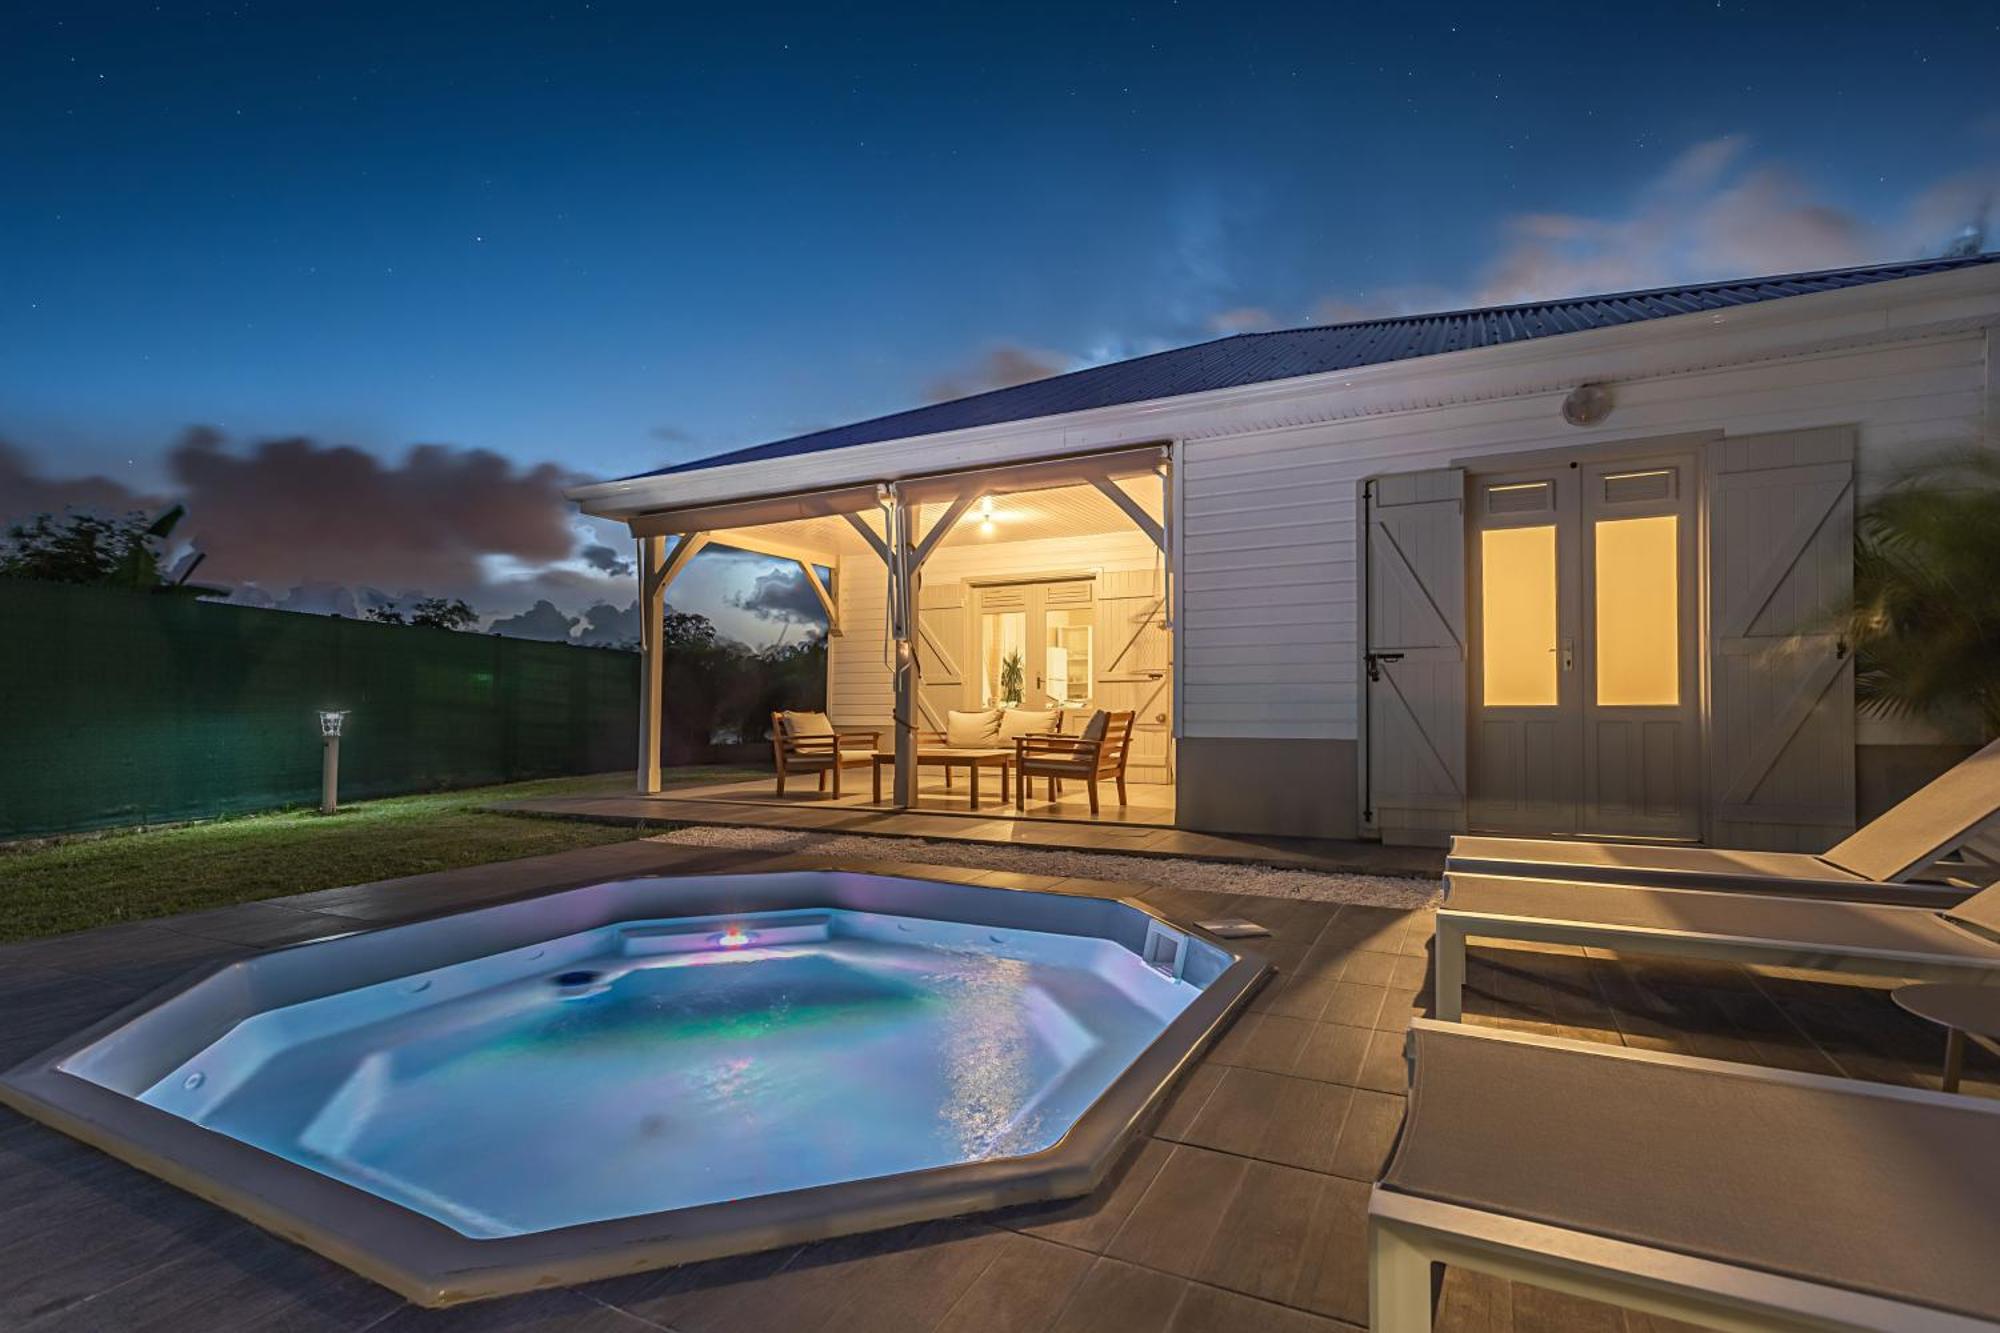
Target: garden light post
x=329, y=766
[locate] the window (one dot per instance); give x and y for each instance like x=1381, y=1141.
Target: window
x=1068, y=664
x=1638, y=612
x=1517, y=607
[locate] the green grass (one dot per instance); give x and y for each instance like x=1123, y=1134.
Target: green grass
x=130, y=876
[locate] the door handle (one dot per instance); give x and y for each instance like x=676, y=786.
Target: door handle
x=1569, y=653
x=1375, y=661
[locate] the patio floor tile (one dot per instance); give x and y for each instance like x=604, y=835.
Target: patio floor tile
x=1173, y=1225
x=1115, y=1295
x=1022, y=1290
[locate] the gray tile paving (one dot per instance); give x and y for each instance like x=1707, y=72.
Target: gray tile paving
x=1244, y=1208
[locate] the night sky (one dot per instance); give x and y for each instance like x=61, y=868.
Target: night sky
x=593, y=239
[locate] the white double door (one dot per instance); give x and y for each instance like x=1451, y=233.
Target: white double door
x=1583, y=690
x=1036, y=642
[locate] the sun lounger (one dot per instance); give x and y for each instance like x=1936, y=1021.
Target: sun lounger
x=1960, y=943
x=1717, y=1193
x=1959, y=812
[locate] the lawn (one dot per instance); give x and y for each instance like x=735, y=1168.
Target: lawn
x=129, y=876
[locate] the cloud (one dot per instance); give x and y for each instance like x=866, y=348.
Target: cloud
x=540, y=621
x=606, y=559
x=782, y=594
x=671, y=435
x=607, y=626
x=25, y=493
x=291, y=510
x=999, y=367
x=1717, y=212
x=1242, y=319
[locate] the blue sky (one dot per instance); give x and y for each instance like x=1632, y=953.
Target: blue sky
x=610, y=236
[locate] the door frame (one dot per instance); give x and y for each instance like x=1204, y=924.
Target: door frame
x=1694, y=443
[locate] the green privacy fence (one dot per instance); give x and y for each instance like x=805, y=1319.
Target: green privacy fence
x=128, y=708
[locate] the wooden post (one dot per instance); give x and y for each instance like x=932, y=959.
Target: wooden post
x=652, y=632
x=903, y=628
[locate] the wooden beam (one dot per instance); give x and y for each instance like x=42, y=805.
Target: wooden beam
x=1147, y=524
x=685, y=550
x=755, y=540
x=756, y=512
x=825, y=597
x=942, y=528
x=875, y=544
x=652, y=633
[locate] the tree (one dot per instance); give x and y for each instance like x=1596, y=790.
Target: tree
x=430, y=612
x=87, y=548
x=1926, y=618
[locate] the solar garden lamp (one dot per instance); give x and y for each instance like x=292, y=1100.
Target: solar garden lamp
x=329, y=764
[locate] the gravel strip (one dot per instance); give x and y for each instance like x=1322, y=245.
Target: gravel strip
x=1173, y=873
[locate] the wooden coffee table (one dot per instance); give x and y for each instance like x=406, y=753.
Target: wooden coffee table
x=945, y=757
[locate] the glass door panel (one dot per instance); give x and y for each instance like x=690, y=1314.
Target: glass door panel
x=1518, y=613
x=1638, y=612
x=1003, y=658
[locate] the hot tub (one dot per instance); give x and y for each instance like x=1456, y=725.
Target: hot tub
x=651, y=1071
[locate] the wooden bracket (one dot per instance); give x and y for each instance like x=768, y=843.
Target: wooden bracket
x=1147, y=524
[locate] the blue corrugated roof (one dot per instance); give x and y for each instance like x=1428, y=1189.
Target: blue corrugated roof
x=1256, y=358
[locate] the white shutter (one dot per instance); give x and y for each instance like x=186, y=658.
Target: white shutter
x=941, y=638
x=1781, y=682
x=1414, y=668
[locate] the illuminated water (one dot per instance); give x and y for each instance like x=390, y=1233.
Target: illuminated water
x=658, y=1065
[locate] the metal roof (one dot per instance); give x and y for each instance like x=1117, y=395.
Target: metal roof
x=1256, y=358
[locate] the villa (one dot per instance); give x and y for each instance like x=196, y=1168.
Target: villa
x=1514, y=570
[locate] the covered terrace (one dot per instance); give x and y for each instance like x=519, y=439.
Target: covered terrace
x=1042, y=586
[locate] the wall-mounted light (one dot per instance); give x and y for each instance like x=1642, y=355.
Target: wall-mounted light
x=985, y=513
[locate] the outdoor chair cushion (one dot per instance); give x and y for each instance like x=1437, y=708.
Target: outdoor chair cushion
x=1025, y=722
x=807, y=724
x=971, y=729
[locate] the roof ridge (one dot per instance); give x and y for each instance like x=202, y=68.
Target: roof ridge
x=1637, y=293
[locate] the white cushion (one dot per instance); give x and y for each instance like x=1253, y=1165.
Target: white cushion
x=971, y=729
x=1025, y=722
x=807, y=724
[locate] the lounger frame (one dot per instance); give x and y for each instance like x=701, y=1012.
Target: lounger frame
x=1456, y=925
x=1409, y=1235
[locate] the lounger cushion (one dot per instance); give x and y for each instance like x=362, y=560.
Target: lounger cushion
x=1838, y=1183
x=1638, y=863
x=1979, y=913
x=1838, y=925
x=1026, y=722
x=1927, y=825
x=807, y=724
x=971, y=729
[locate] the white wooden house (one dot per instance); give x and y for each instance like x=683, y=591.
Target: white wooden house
x=1550, y=569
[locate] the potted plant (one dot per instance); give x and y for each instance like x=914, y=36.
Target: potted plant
x=1011, y=677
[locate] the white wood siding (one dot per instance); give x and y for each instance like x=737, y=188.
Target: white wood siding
x=1267, y=543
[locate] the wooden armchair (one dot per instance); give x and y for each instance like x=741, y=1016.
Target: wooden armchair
x=809, y=743
x=1098, y=753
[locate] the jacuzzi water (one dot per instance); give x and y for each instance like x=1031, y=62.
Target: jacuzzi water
x=655, y=1065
